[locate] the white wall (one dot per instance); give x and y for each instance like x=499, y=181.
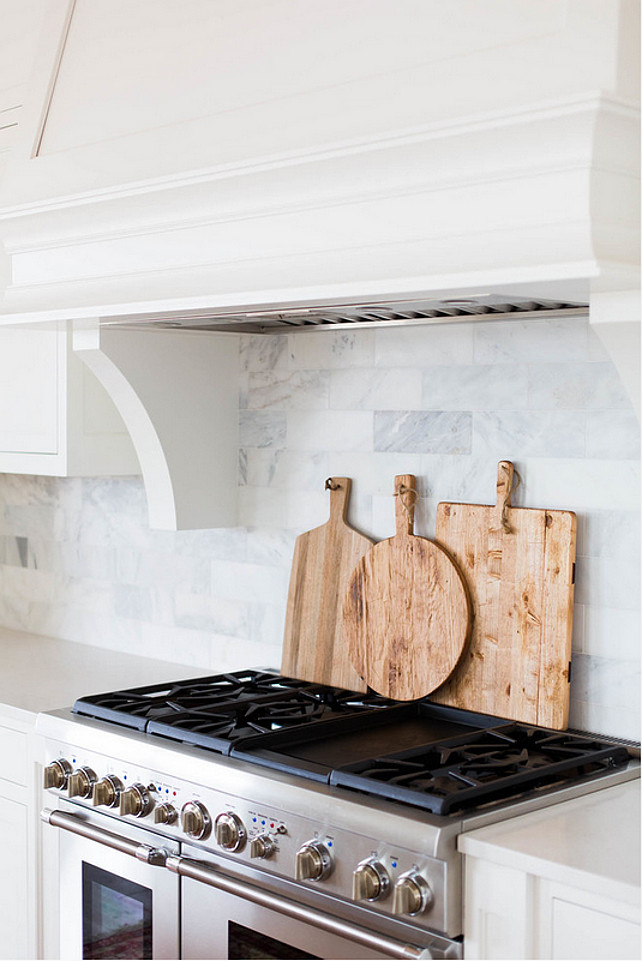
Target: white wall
x=444, y=402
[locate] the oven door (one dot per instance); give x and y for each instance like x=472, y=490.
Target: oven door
x=231, y=912
x=116, y=898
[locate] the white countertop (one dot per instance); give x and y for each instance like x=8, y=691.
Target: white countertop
x=42, y=674
x=592, y=842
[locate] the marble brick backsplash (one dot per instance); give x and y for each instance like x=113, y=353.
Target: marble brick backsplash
x=445, y=402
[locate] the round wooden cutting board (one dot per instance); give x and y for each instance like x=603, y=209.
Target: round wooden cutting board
x=406, y=614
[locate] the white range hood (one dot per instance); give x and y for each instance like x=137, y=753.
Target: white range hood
x=200, y=159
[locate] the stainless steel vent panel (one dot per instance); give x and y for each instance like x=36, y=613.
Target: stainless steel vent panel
x=274, y=319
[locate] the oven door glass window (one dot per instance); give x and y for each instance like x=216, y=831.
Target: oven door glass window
x=252, y=946
x=116, y=916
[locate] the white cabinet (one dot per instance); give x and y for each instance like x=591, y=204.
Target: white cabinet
x=55, y=416
x=18, y=827
x=560, y=883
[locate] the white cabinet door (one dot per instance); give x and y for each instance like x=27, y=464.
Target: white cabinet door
x=29, y=367
x=17, y=920
x=55, y=417
x=577, y=924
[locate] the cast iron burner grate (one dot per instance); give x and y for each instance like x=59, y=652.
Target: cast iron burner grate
x=136, y=707
x=467, y=772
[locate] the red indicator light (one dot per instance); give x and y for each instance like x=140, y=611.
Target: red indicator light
x=271, y=825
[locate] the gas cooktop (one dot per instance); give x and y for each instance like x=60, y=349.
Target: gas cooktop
x=443, y=760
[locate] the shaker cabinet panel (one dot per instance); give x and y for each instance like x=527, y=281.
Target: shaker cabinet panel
x=17, y=921
x=56, y=418
x=580, y=932
x=29, y=365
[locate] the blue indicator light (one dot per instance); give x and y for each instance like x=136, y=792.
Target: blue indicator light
x=329, y=844
x=255, y=820
x=166, y=790
x=124, y=777
x=73, y=760
x=394, y=864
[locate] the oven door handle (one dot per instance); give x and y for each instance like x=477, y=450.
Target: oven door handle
x=208, y=874
x=76, y=825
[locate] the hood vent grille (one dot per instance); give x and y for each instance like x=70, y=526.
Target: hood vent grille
x=314, y=317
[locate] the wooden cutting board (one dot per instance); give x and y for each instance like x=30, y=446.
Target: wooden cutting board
x=406, y=613
x=313, y=647
x=520, y=568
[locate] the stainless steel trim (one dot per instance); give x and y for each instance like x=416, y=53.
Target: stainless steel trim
x=76, y=825
x=207, y=874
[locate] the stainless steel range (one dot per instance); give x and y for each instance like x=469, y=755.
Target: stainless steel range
x=254, y=816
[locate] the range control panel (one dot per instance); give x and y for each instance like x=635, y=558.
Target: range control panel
x=375, y=872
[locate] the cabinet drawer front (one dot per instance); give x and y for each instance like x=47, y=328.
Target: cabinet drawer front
x=14, y=755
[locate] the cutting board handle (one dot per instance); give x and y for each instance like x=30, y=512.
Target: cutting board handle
x=339, y=488
x=505, y=471
x=405, y=497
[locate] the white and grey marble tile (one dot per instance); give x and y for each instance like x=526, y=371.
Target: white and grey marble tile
x=612, y=632
x=531, y=341
x=262, y=428
x=438, y=432
x=475, y=387
x=328, y=349
x=288, y=390
x=242, y=466
x=579, y=485
x=206, y=613
x=508, y=435
x=248, y=582
x=132, y=601
x=289, y=470
x=380, y=389
x=262, y=507
x=424, y=346
x=263, y=351
x=21, y=520
x=609, y=533
x=605, y=680
x=267, y=624
x=613, y=434
x=171, y=643
x=608, y=582
x=225, y=543
x=610, y=720
x=329, y=430
x=271, y=547
x=576, y=386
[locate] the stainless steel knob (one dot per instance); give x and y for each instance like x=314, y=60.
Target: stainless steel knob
x=165, y=814
x=370, y=881
x=230, y=831
x=106, y=792
x=55, y=774
x=313, y=862
x=411, y=894
x=195, y=820
x=262, y=846
x=81, y=782
x=136, y=800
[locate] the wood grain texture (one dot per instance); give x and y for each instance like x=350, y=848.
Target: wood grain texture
x=519, y=564
x=406, y=613
x=314, y=648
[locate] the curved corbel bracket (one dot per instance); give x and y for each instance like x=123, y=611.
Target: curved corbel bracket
x=177, y=392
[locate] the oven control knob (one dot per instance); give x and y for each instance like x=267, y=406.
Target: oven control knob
x=81, y=782
x=370, y=882
x=107, y=791
x=165, y=814
x=262, y=846
x=230, y=831
x=313, y=862
x=136, y=800
x=195, y=820
x=56, y=774
x=411, y=894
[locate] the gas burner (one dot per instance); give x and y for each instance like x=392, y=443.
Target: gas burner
x=286, y=713
x=497, y=764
